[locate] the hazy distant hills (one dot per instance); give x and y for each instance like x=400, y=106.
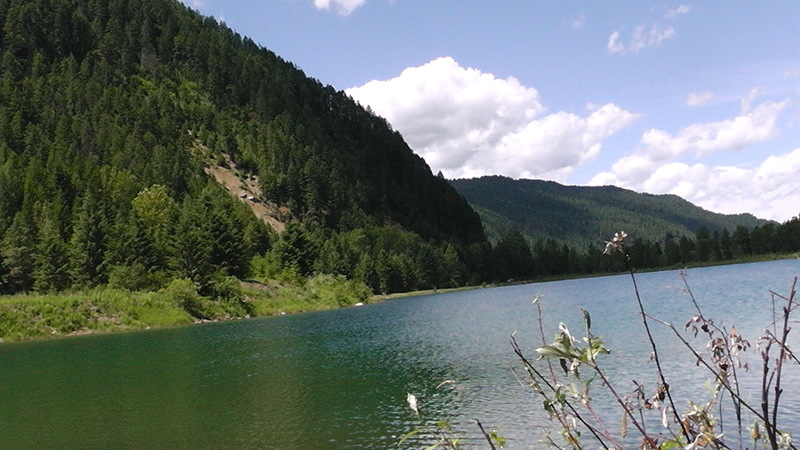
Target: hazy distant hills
x=581, y=215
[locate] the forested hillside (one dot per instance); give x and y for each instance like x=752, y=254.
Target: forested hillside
x=542, y=228
x=581, y=214
x=102, y=105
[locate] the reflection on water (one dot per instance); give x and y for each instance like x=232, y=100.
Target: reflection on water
x=339, y=379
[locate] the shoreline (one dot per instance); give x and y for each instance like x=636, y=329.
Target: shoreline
x=376, y=298
x=34, y=317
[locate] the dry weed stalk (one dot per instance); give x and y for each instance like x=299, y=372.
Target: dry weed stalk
x=567, y=401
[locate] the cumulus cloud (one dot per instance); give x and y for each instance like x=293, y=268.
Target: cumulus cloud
x=770, y=190
x=343, y=7
x=699, y=98
x=751, y=127
x=468, y=123
x=658, y=146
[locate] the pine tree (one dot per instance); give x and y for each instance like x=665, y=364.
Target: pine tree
x=87, y=245
x=296, y=249
x=154, y=212
x=703, y=248
x=51, y=256
x=192, y=244
x=18, y=252
x=230, y=252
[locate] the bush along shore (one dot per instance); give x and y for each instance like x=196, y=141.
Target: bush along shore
x=107, y=309
x=101, y=310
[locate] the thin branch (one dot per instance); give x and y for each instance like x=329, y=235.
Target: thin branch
x=782, y=354
x=689, y=291
x=702, y=361
x=541, y=333
x=724, y=333
x=486, y=435
x=789, y=353
x=655, y=352
x=530, y=367
x=651, y=442
x=769, y=428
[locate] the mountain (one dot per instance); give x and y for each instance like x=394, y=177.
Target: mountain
x=136, y=136
x=586, y=215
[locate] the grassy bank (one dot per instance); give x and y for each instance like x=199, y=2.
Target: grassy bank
x=102, y=310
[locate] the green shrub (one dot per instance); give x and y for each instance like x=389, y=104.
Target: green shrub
x=136, y=277
x=183, y=293
x=336, y=290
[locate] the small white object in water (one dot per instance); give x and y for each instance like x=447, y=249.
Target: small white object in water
x=412, y=402
x=359, y=304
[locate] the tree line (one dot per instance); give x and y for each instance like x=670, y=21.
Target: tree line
x=515, y=258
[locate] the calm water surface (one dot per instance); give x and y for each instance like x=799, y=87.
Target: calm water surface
x=339, y=379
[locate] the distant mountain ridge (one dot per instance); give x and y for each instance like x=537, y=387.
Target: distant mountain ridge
x=582, y=214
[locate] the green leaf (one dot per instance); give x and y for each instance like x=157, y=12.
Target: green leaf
x=500, y=440
x=549, y=351
x=408, y=435
x=587, y=320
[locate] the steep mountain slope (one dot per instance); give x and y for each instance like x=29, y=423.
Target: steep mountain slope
x=576, y=214
x=103, y=104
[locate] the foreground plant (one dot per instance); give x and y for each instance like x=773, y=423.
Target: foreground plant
x=443, y=433
x=567, y=400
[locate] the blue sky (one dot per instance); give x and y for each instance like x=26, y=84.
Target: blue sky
x=699, y=99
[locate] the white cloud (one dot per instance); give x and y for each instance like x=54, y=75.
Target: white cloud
x=751, y=127
x=679, y=11
x=748, y=101
x=649, y=37
x=699, y=98
x=468, y=123
x=770, y=190
x=641, y=38
x=614, y=45
x=343, y=7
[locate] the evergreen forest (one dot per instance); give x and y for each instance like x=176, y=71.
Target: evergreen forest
x=115, y=113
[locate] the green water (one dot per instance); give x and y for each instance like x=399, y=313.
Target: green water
x=339, y=379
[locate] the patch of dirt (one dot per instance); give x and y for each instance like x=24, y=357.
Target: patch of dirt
x=254, y=285
x=244, y=187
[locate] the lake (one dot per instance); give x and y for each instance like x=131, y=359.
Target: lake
x=339, y=379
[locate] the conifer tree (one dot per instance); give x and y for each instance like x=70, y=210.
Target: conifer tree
x=17, y=252
x=87, y=245
x=296, y=249
x=192, y=244
x=51, y=256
